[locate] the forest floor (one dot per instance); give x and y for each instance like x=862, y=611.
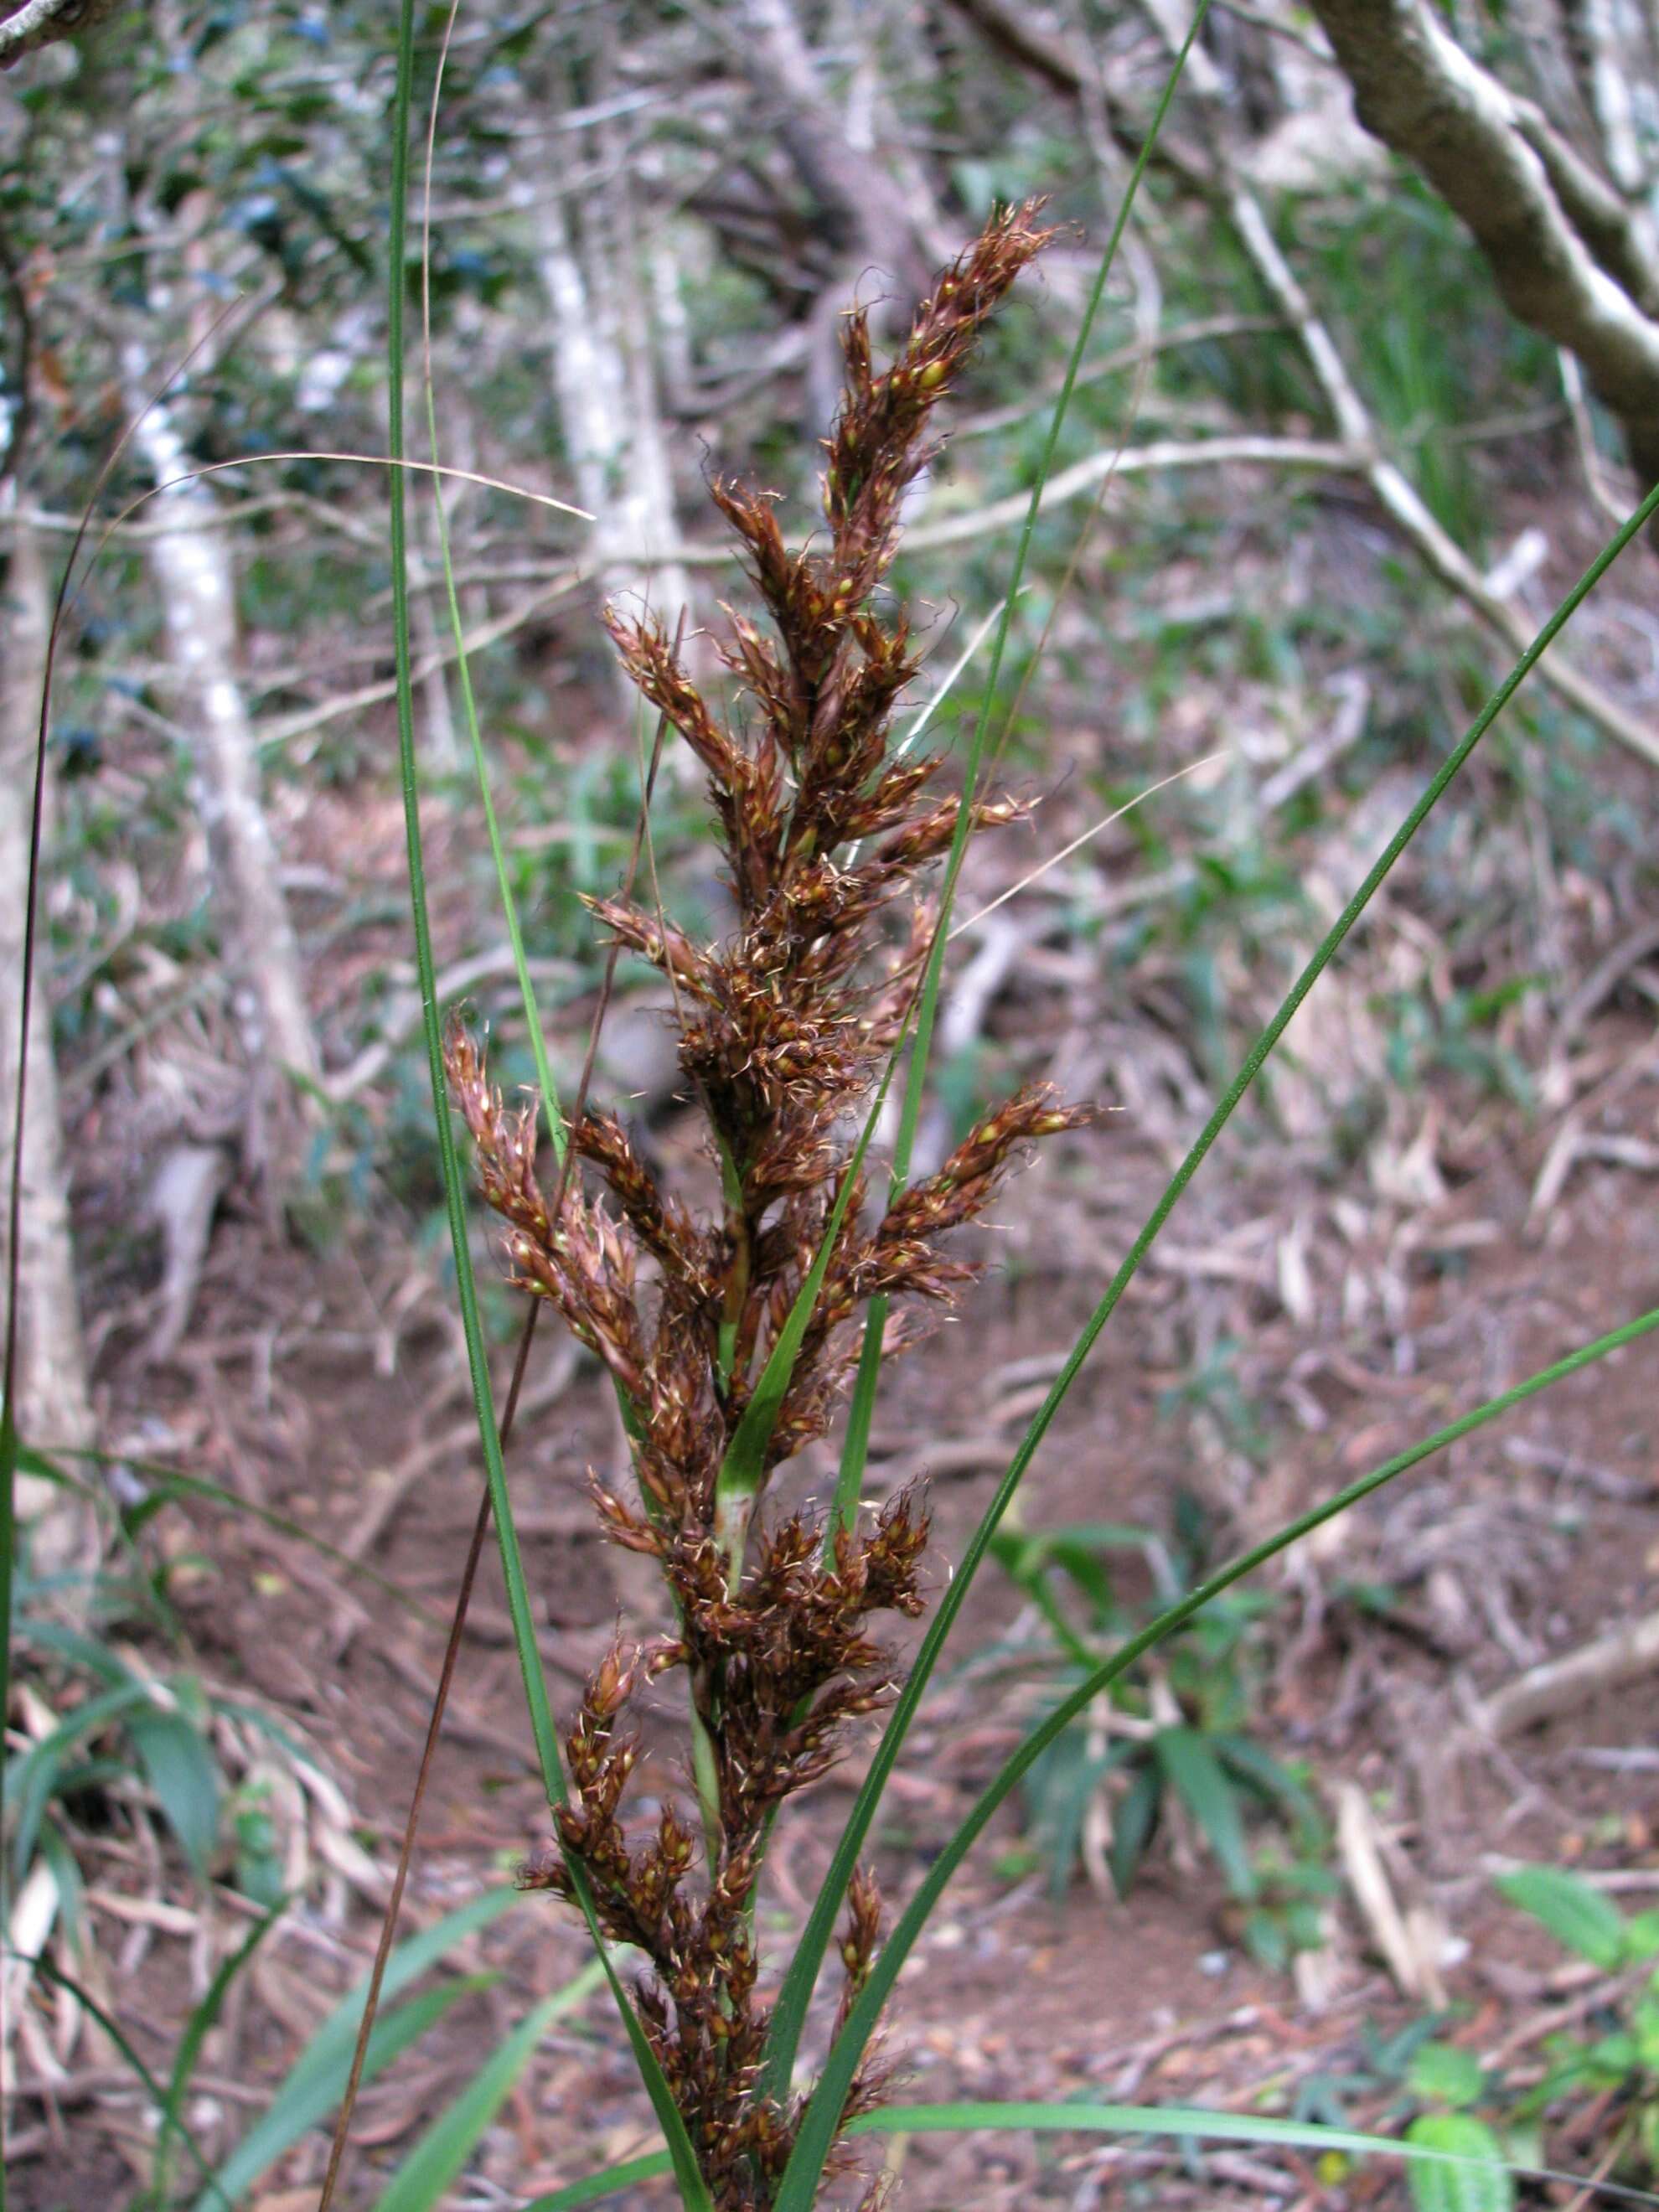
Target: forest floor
x=1304, y=1319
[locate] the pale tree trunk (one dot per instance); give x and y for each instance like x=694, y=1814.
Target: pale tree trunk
x=607, y=389
x=885, y=240
x=54, y=1407
x=1613, y=54
x=866, y=206
x=192, y=570
x=27, y=25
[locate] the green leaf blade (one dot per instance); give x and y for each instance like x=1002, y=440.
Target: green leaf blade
x=1478, y=2181
x=789, y=2012
x=1195, y=1774
x=1574, y=1913
x=184, y=1775
x=693, y=2191
x=424, y=2178
x=819, y=2125
x=316, y=2082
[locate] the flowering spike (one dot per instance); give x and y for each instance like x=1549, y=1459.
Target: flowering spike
x=783, y=1030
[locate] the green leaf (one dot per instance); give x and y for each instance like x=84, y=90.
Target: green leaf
x=1270, y=1778
x=1194, y=1773
x=112, y=2028
x=746, y=1454
x=1642, y=1934
x=1645, y=2027
x=31, y=1779
x=1574, y=1913
x=609, y=2182
x=1181, y=2122
x=1605, y=2062
x=1067, y=1807
x=425, y=2175
x=71, y=1886
x=190, y=2047
x=1133, y=1825
x=315, y=2082
x=812, y=2143
x=1442, y=2074
x=69, y=1644
x=170, y=1483
x=693, y=2190
x=185, y=1776
x=1480, y=2183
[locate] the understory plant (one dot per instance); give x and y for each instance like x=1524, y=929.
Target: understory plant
x=1598, y=2083
x=1179, y=1732
x=730, y=1338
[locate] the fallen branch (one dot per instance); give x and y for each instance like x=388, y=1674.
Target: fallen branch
x=1561, y=245
x=1562, y=1685
x=44, y=22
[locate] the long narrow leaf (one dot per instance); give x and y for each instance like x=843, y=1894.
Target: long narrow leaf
x=189, y=2045
x=789, y=2014
x=746, y=1456
x=184, y=1775
x=693, y=2191
x=609, y=2182
x=463, y=673
x=855, y=1446
x=32, y=1776
x=820, y=2125
x=166, y=1482
x=1181, y=2122
x=420, y=2181
x=314, y=2083
x=123, y=2043
x=1192, y=1769
x=797, y=1989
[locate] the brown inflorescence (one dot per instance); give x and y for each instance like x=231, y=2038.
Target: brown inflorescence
x=783, y=1030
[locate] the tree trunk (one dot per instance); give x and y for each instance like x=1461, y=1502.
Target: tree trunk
x=868, y=211
x=54, y=1407
x=191, y=565
x=607, y=404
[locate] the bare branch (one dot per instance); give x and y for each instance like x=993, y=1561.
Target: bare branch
x=1550, y=229
x=1393, y=491
x=38, y=23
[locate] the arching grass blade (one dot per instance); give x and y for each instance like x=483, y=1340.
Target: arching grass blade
x=855, y=1446
x=422, y=2180
x=313, y=2084
x=1186, y=2124
x=820, y=2125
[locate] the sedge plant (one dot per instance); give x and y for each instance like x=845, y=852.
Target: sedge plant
x=721, y=2067
x=730, y=1338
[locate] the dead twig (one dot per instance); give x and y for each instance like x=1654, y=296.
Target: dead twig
x=1562, y=1685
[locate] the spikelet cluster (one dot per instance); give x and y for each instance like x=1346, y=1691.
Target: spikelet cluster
x=783, y=1030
